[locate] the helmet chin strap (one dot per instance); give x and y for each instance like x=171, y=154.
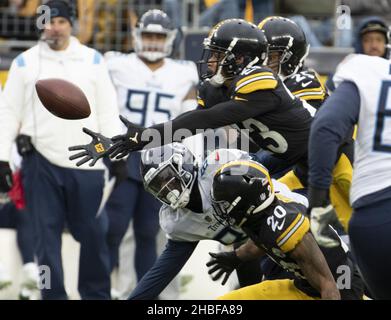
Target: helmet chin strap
x=218, y=79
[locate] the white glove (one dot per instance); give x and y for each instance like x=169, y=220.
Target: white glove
x=320, y=219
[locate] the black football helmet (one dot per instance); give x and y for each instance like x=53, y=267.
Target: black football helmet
x=169, y=173
x=241, y=189
x=233, y=44
x=154, y=21
x=288, y=39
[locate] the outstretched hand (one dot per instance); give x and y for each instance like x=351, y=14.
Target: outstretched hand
x=96, y=149
x=128, y=142
x=223, y=263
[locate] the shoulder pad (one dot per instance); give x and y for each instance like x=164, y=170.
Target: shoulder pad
x=254, y=79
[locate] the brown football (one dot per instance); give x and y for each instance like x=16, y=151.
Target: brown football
x=63, y=99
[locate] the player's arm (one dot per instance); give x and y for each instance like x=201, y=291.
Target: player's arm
x=166, y=267
x=249, y=251
x=220, y=115
x=315, y=268
x=331, y=125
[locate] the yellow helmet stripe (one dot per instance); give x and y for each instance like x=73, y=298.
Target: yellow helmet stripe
x=262, y=23
x=250, y=164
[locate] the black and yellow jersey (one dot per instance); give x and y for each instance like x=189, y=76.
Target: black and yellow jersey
x=258, y=101
x=283, y=122
x=306, y=85
x=280, y=228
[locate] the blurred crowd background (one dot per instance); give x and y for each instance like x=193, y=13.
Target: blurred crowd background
x=107, y=24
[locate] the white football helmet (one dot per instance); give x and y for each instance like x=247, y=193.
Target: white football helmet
x=169, y=173
x=154, y=21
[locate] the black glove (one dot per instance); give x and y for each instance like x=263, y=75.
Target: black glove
x=128, y=142
x=225, y=262
x=6, y=181
x=96, y=149
x=119, y=170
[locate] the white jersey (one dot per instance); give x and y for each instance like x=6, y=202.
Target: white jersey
x=147, y=97
x=186, y=225
x=372, y=153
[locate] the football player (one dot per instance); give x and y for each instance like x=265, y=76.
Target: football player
x=287, y=52
x=361, y=97
x=148, y=93
x=244, y=196
x=171, y=175
x=257, y=101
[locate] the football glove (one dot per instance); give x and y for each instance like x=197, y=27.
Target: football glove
x=320, y=219
x=321, y=214
x=6, y=181
x=224, y=263
x=96, y=149
x=128, y=142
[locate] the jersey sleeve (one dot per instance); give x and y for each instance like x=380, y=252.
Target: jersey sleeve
x=253, y=80
x=294, y=233
x=285, y=227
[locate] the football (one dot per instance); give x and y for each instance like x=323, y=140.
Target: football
x=63, y=99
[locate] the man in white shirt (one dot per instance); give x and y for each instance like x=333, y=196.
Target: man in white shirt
x=59, y=194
